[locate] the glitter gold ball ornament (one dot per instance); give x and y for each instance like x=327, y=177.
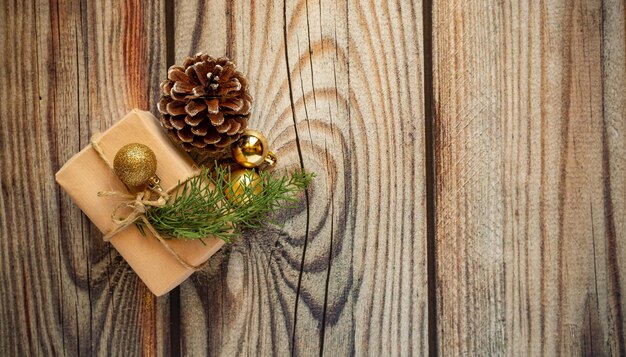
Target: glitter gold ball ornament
x=243, y=180
x=252, y=149
x=135, y=165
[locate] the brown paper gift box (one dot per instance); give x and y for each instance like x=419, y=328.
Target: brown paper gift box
x=85, y=174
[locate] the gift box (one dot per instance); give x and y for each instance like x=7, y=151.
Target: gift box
x=86, y=174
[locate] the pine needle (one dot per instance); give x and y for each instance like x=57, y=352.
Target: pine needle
x=202, y=209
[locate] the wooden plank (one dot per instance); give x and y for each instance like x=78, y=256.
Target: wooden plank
x=71, y=68
x=530, y=188
x=613, y=140
x=338, y=91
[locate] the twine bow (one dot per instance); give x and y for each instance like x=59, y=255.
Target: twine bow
x=139, y=204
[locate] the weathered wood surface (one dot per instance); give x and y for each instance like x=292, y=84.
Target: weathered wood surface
x=530, y=180
x=529, y=108
x=338, y=90
x=70, y=69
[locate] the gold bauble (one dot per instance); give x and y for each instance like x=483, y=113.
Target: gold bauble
x=239, y=181
x=252, y=149
x=135, y=164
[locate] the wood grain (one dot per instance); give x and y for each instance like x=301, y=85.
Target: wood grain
x=530, y=185
x=338, y=91
x=529, y=106
x=71, y=68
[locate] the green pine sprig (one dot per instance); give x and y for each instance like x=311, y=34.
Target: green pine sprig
x=202, y=207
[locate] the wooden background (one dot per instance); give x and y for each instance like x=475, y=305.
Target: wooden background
x=471, y=189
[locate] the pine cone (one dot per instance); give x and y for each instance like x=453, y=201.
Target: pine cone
x=205, y=104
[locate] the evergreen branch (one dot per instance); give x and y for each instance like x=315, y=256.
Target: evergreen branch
x=202, y=207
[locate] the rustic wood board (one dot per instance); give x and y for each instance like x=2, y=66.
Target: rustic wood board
x=339, y=91
x=530, y=180
x=71, y=68
x=529, y=109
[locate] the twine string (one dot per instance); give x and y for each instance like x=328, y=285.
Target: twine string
x=139, y=204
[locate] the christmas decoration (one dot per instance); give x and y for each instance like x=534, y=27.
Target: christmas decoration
x=205, y=108
x=216, y=204
x=135, y=164
x=205, y=104
x=251, y=150
x=243, y=183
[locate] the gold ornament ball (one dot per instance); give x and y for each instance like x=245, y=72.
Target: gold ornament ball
x=135, y=164
x=239, y=181
x=252, y=149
